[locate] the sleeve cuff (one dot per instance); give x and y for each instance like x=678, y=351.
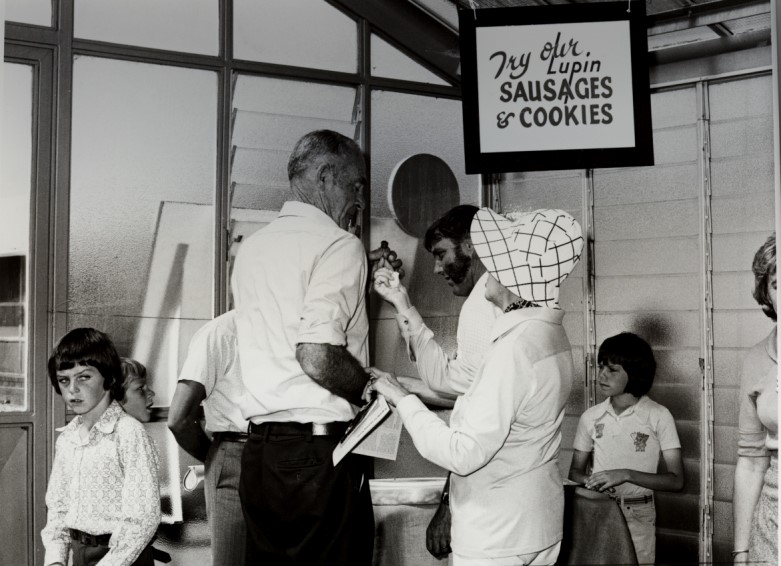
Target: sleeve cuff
x=410, y=324
x=55, y=555
x=321, y=333
x=409, y=405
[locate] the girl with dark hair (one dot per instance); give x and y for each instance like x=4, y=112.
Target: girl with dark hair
x=103, y=497
x=623, y=437
x=755, y=497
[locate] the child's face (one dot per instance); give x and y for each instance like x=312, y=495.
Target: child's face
x=138, y=399
x=82, y=390
x=612, y=379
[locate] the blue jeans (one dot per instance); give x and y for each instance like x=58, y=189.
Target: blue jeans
x=223, y=506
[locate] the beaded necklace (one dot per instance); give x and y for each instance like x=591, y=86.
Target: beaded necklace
x=521, y=304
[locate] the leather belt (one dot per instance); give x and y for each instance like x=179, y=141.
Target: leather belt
x=230, y=436
x=291, y=429
x=641, y=499
x=88, y=539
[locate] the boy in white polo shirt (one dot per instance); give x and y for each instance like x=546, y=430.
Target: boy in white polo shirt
x=624, y=435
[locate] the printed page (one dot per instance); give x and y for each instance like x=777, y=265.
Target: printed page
x=362, y=424
x=383, y=442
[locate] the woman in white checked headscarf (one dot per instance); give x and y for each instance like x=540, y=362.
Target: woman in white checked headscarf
x=503, y=441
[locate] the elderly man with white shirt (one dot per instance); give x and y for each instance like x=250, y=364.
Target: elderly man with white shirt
x=503, y=441
x=300, y=290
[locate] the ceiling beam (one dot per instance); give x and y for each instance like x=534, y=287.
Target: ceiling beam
x=405, y=25
x=710, y=13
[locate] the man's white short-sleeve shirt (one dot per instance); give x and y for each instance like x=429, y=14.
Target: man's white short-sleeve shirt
x=301, y=279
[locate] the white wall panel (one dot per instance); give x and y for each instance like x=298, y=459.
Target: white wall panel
x=742, y=175
x=673, y=108
x=665, y=219
x=648, y=184
x=648, y=293
x=642, y=257
x=677, y=145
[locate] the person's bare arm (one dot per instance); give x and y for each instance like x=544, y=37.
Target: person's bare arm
x=671, y=480
x=334, y=368
x=749, y=478
x=183, y=421
x=578, y=468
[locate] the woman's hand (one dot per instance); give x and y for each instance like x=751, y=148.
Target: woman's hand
x=386, y=385
x=606, y=480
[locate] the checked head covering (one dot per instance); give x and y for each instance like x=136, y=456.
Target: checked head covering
x=530, y=255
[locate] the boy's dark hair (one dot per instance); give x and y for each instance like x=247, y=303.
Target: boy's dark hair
x=634, y=355
x=453, y=225
x=89, y=347
x=764, y=267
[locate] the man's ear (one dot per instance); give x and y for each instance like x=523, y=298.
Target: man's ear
x=325, y=176
x=467, y=246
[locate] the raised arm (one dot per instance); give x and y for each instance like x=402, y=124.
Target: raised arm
x=183, y=419
x=440, y=372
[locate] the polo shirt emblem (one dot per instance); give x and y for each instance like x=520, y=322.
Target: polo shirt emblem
x=599, y=428
x=640, y=439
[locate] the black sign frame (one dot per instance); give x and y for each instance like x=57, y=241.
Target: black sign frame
x=478, y=161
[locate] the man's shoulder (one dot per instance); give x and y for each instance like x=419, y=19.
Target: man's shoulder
x=223, y=326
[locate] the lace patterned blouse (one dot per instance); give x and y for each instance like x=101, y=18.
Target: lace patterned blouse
x=104, y=484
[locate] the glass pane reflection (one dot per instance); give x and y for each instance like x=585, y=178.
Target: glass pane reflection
x=271, y=115
x=15, y=234
x=141, y=253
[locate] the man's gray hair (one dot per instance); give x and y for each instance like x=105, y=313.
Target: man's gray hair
x=315, y=144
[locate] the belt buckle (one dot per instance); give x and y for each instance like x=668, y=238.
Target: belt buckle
x=319, y=429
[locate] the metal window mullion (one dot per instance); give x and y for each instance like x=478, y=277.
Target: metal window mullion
x=706, y=312
x=589, y=290
x=362, y=116
x=222, y=193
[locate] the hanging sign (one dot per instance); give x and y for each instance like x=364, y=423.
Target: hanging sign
x=555, y=87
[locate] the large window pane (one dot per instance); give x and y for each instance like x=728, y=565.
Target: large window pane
x=303, y=33
x=191, y=26
x=15, y=233
x=387, y=61
x=35, y=12
x=141, y=212
x=271, y=115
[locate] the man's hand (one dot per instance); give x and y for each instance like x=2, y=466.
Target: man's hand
x=387, y=286
x=384, y=257
x=386, y=385
x=438, y=533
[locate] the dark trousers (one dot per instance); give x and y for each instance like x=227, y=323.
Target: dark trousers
x=299, y=508
x=89, y=555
